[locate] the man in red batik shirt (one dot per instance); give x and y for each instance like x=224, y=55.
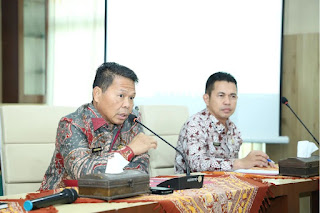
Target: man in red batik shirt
x=91, y=135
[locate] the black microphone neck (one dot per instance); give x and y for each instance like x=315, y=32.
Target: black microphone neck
x=301, y=122
x=187, y=165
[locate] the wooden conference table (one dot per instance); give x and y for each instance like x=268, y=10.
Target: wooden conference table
x=222, y=192
x=286, y=193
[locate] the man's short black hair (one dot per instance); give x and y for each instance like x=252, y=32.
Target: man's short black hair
x=108, y=70
x=218, y=76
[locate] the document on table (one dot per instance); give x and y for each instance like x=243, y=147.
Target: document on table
x=261, y=171
x=3, y=205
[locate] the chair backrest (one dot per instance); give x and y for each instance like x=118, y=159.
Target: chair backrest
x=28, y=134
x=166, y=121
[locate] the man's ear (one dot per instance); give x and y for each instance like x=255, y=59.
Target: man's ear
x=206, y=99
x=97, y=92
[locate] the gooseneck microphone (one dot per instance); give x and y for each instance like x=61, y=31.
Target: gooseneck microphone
x=187, y=182
x=133, y=118
x=66, y=196
x=285, y=101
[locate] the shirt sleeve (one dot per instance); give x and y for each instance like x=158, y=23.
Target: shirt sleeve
x=126, y=153
x=140, y=162
x=197, y=152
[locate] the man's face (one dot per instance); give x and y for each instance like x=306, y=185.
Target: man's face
x=222, y=101
x=116, y=103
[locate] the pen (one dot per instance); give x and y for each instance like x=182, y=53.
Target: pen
x=270, y=161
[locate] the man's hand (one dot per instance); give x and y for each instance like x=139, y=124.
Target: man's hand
x=141, y=143
x=254, y=158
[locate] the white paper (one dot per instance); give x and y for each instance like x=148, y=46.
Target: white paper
x=116, y=164
x=258, y=171
x=305, y=149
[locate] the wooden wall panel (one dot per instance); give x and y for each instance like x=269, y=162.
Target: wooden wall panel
x=300, y=76
x=300, y=84
x=12, y=80
x=11, y=38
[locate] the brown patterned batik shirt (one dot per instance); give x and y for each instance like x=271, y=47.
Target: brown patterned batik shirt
x=206, y=144
x=85, y=141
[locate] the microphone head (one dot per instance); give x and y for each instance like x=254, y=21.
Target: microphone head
x=284, y=100
x=132, y=118
x=71, y=194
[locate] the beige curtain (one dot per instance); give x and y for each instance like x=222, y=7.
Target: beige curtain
x=75, y=49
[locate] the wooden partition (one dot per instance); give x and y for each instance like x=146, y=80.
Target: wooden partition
x=300, y=79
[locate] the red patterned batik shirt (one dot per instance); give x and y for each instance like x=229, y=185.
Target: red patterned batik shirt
x=206, y=144
x=85, y=141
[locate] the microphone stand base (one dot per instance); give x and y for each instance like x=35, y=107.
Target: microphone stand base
x=183, y=182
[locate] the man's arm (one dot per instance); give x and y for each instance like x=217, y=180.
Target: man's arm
x=200, y=160
x=79, y=159
x=254, y=159
x=139, y=144
x=140, y=162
